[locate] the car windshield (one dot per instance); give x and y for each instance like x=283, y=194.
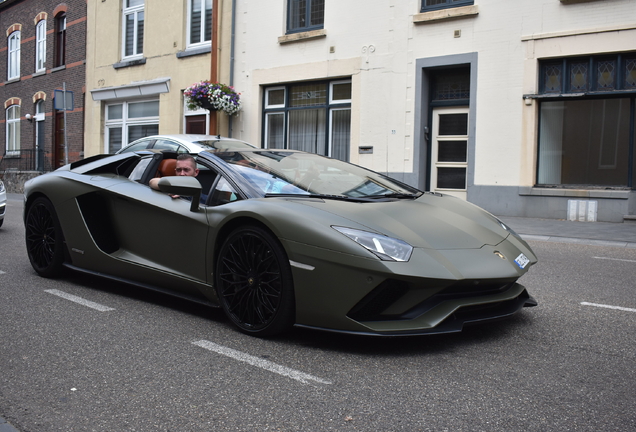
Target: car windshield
x=281, y=172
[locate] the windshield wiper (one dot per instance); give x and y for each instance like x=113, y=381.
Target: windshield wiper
x=321, y=196
x=398, y=195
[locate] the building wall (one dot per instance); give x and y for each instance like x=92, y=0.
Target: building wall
x=387, y=48
x=32, y=86
x=164, y=50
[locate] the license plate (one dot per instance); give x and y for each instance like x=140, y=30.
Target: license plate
x=522, y=261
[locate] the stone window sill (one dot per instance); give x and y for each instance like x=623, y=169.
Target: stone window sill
x=303, y=36
x=446, y=14
x=574, y=193
x=194, y=51
x=128, y=63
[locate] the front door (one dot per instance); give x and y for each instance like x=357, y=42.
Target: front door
x=58, y=146
x=449, y=152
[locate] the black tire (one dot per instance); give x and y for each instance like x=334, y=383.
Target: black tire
x=44, y=239
x=254, y=282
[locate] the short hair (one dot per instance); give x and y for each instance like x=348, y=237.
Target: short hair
x=188, y=157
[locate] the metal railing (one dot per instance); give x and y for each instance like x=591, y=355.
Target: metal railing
x=26, y=160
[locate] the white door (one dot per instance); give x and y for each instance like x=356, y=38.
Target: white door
x=449, y=152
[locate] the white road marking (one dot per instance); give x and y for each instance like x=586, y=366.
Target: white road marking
x=608, y=306
x=80, y=300
x=615, y=259
x=1, y=272
x=259, y=362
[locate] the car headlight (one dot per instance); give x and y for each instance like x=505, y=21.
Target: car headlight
x=506, y=227
x=386, y=248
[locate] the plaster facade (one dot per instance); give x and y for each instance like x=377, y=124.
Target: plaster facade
x=390, y=51
x=165, y=68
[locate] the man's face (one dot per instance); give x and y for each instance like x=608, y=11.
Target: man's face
x=186, y=168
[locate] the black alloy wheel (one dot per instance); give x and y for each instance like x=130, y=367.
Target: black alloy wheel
x=254, y=282
x=44, y=239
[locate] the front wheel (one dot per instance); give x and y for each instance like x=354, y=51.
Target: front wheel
x=254, y=282
x=44, y=239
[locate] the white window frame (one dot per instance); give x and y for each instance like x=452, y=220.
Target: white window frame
x=203, y=42
x=13, y=57
x=135, y=11
x=331, y=92
x=125, y=122
x=12, y=137
x=40, y=46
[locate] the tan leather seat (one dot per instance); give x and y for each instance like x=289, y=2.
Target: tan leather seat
x=167, y=167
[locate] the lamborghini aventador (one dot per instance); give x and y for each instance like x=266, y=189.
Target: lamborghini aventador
x=278, y=238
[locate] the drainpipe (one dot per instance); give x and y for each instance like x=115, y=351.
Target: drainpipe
x=232, y=41
x=214, y=66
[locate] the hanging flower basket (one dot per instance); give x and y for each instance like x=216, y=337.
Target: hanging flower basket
x=213, y=97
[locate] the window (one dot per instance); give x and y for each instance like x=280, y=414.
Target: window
x=133, y=25
x=13, y=66
x=304, y=15
x=130, y=121
x=60, y=40
x=313, y=117
x=40, y=46
x=13, y=131
x=587, y=121
x=199, y=22
x=430, y=5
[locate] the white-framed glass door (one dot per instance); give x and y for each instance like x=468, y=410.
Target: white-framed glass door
x=449, y=152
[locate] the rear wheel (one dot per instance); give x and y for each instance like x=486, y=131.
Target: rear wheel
x=44, y=239
x=254, y=282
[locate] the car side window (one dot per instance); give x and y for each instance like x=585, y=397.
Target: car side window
x=136, y=147
x=161, y=144
x=223, y=193
x=139, y=170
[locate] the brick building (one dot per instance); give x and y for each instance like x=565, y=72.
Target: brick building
x=43, y=53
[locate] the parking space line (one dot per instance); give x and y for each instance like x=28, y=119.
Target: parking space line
x=608, y=306
x=261, y=363
x=80, y=300
x=615, y=259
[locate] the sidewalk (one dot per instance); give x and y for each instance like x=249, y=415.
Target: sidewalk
x=564, y=231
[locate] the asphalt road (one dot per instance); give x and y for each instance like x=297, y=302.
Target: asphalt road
x=116, y=358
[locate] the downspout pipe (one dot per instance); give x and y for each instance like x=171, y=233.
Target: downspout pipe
x=232, y=43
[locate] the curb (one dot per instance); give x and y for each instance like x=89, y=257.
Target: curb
x=6, y=427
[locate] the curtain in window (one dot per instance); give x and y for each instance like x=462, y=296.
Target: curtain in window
x=275, y=138
x=140, y=131
x=13, y=129
x=200, y=21
x=307, y=130
x=584, y=142
x=14, y=55
x=340, y=134
x=40, y=45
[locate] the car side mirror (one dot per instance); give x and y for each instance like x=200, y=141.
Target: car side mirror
x=182, y=185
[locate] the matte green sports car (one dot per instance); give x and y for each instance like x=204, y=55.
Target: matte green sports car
x=280, y=238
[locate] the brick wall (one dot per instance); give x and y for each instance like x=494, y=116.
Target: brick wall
x=32, y=86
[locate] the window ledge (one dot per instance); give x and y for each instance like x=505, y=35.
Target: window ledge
x=128, y=63
x=575, y=193
x=296, y=37
x=12, y=80
x=566, y=2
x=40, y=73
x=445, y=14
x=189, y=52
x=59, y=68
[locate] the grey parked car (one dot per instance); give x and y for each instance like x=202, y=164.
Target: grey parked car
x=3, y=202
x=184, y=143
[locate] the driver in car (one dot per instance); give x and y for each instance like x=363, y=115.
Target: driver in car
x=186, y=166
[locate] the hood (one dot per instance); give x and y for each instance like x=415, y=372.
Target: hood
x=432, y=221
